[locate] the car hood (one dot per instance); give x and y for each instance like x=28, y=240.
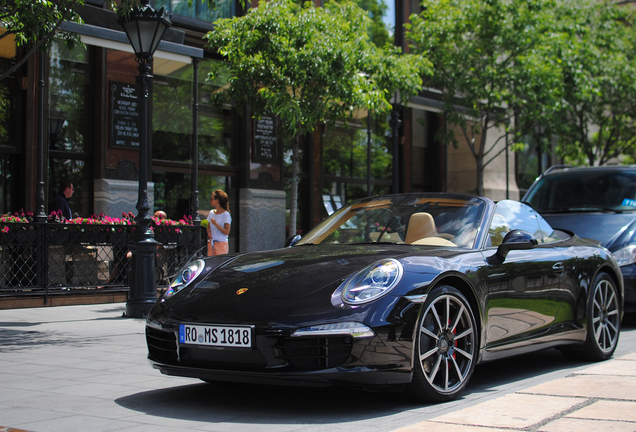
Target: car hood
x=611, y=229
x=283, y=285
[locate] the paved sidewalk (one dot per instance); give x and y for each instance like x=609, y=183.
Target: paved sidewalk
x=599, y=398
x=84, y=368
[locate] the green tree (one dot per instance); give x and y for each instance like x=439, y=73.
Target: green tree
x=309, y=66
x=377, y=30
x=597, y=53
x=34, y=24
x=487, y=57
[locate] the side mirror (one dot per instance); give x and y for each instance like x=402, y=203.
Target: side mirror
x=292, y=240
x=514, y=240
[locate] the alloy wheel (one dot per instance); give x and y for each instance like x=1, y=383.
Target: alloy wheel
x=605, y=315
x=447, y=343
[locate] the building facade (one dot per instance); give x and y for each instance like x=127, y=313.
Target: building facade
x=89, y=123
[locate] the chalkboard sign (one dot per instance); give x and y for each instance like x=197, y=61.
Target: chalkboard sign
x=265, y=140
x=125, y=121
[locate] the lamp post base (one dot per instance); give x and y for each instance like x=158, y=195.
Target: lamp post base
x=143, y=289
x=138, y=308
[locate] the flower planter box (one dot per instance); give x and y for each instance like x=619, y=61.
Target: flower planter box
x=58, y=237
x=187, y=237
x=26, y=237
x=19, y=238
x=118, y=238
x=167, y=237
x=7, y=238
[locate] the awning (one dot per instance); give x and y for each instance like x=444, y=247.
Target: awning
x=112, y=39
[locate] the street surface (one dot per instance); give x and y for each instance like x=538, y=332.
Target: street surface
x=84, y=368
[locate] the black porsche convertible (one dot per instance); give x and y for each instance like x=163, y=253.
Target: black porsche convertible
x=404, y=291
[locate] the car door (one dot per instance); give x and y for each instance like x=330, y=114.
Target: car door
x=522, y=299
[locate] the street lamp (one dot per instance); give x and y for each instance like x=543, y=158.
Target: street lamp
x=144, y=27
x=394, y=122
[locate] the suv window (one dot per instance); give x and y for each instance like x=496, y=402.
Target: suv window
x=584, y=191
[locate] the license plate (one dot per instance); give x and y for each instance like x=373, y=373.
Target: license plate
x=217, y=336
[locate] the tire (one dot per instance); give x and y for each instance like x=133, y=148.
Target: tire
x=445, y=346
x=602, y=320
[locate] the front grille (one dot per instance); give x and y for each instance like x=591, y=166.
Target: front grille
x=225, y=359
x=289, y=354
x=314, y=353
x=162, y=345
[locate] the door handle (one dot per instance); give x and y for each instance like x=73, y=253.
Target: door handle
x=558, y=269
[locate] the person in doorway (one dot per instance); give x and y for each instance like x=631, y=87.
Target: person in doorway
x=220, y=223
x=60, y=202
x=61, y=206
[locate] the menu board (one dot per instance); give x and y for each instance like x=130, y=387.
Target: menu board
x=125, y=120
x=265, y=140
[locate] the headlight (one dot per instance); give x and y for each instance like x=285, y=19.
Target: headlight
x=185, y=277
x=626, y=255
x=372, y=282
x=353, y=329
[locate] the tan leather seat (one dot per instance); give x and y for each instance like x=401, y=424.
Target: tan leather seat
x=420, y=225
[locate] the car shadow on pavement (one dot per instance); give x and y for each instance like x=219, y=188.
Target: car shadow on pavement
x=264, y=404
x=507, y=371
x=249, y=403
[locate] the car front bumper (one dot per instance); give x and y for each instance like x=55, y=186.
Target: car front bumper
x=357, y=377
x=381, y=360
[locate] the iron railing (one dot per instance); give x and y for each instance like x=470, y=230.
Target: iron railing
x=57, y=257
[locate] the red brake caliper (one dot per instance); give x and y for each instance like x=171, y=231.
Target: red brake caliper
x=454, y=354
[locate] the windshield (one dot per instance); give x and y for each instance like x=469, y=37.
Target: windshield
x=585, y=191
x=403, y=219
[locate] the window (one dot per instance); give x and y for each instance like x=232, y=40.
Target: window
x=10, y=148
x=585, y=190
x=173, y=191
x=69, y=126
x=197, y=9
x=345, y=160
x=513, y=215
x=427, y=161
x=172, y=117
x=172, y=140
x=9, y=183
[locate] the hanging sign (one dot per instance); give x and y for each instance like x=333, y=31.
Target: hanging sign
x=125, y=120
x=265, y=130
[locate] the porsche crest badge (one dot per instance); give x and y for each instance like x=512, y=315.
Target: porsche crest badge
x=241, y=291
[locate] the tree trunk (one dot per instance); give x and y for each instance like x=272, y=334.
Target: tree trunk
x=293, y=196
x=480, y=154
x=480, y=177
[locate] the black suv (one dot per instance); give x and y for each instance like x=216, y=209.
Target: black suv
x=597, y=203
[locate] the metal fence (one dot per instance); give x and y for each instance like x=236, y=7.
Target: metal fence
x=55, y=257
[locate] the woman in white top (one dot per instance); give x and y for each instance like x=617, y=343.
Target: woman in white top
x=220, y=223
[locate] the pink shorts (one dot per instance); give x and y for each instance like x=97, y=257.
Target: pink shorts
x=217, y=248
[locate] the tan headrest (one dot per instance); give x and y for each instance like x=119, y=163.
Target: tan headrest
x=420, y=225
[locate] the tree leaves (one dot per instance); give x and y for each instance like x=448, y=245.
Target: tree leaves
x=34, y=24
x=538, y=68
x=310, y=65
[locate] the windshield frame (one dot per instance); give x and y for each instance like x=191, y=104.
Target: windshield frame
x=396, y=211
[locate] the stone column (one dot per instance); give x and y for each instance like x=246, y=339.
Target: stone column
x=261, y=219
x=113, y=197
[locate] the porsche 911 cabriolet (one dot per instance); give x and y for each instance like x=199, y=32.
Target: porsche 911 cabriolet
x=405, y=291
